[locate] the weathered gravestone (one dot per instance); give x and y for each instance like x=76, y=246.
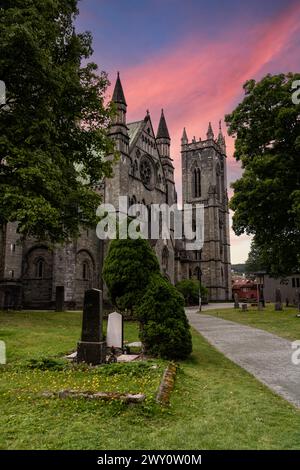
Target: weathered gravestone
x=278, y=301
x=261, y=299
x=92, y=349
x=114, y=336
x=60, y=298
x=244, y=307
x=236, y=301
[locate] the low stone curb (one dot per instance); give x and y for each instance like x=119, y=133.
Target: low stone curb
x=167, y=384
x=106, y=396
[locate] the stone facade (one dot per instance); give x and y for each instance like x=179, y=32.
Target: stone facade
x=31, y=271
x=204, y=181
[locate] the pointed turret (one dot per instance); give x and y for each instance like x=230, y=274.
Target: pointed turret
x=162, y=132
x=118, y=94
x=163, y=137
x=184, y=138
x=163, y=142
x=210, y=132
x=118, y=99
x=118, y=129
x=221, y=138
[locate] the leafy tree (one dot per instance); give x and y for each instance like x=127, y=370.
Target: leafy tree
x=266, y=198
x=257, y=260
x=165, y=330
x=189, y=288
x=127, y=269
x=239, y=268
x=53, y=128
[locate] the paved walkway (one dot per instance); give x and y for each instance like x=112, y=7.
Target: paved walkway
x=211, y=306
x=263, y=354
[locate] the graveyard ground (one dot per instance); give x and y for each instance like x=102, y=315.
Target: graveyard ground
x=284, y=323
x=215, y=404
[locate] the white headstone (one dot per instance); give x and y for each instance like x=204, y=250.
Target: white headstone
x=114, y=336
x=2, y=353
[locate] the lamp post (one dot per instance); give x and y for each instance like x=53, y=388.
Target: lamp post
x=200, y=279
x=260, y=289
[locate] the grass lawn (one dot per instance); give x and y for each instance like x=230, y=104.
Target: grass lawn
x=284, y=323
x=215, y=404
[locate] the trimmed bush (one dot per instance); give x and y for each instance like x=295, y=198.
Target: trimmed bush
x=189, y=288
x=127, y=269
x=165, y=331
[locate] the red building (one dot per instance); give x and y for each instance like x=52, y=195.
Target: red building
x=245, y=289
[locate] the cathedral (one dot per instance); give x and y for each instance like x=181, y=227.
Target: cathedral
x=31, y=272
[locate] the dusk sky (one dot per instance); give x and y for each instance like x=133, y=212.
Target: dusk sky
x=191, y=57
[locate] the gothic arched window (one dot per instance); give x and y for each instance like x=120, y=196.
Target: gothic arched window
x=85, y=270
x=218, y=175
x=40, y=268
x=196, y=182
x=197, y=273
x=165, y=257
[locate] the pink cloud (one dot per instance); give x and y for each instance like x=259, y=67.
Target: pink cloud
x=200, y=80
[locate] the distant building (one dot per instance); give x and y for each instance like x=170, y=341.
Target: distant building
x=289, y=287
x=245, y=289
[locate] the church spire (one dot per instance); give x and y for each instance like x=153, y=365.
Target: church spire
x=162, y=132
x=163, y=139
x=118, y=94
x=184, y=138
x=221, y=138
x=210, y=132
x=118, y=129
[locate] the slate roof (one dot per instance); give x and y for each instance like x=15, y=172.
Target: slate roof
x=133, y=129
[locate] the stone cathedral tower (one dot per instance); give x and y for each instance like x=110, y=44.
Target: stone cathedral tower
x=204, y=180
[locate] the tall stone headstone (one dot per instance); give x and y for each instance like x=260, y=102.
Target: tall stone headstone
x=92, y=349
x=278, y=300
x=114, y=336
x=261, y=300
x=236, y=301
x=60, y=298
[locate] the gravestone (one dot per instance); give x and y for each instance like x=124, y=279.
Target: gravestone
x=60, y=298
x=236, y=301
x=298, y=301
x=92, y=349
x=278, y=300
x=114, y=336
x=244, y=307
x=261, y=300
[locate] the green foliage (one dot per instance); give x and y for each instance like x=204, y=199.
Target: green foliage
x=127, y=269
x=53, y=128
x=165, y=330
x=47, y=364
x=239, y=268
x=257, y=261
x=189, y=288
x=207, y=386
x=130, y=369
x=266, y=198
